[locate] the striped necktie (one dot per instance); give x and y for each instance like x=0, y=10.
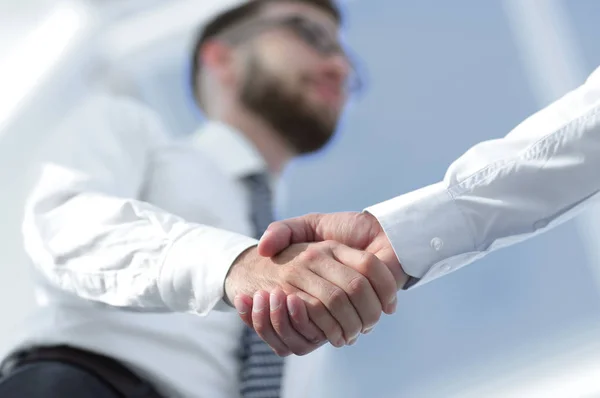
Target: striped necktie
x=262, y=369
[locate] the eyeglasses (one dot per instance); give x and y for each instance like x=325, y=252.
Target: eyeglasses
x=311, y=33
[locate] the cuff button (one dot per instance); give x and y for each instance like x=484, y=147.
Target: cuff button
x=437, y=244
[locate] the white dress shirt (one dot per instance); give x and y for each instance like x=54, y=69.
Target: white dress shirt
x=501, y=191
x=132, y=280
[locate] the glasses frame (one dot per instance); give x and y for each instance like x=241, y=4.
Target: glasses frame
x=309, y=32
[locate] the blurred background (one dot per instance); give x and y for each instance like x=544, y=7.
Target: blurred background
x=441, y=76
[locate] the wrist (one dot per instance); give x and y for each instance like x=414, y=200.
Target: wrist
x=382, y=247
x=237, y=272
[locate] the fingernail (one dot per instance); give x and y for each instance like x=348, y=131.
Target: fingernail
x=240, y=305
x=339, y=343
x=274, y=301
x=352, y=339
x=264, y=235
x=259, y=303
x=368, y=330
x=393, y=304
x=292, y=306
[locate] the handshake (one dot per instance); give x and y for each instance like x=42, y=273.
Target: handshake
x=314, y=279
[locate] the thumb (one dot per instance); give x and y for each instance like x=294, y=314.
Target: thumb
x=281, y=234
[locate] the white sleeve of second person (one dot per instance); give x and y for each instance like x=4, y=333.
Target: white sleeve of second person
x=503, y=191
x=86, y=232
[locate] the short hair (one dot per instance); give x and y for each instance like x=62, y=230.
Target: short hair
x=237, y=15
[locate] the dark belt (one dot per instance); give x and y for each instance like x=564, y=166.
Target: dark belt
x=111, y=371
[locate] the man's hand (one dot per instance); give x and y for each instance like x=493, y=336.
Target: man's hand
x=343, y=291
x=361, y=231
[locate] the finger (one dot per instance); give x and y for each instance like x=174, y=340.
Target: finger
x=281, y=234
x=243, y=305
x=374, y=270
x=323, y=319
x=333, y=296
x=355, y=287
x=283, y=327
x=262, y=324
x=314, y=322
x=298, y=314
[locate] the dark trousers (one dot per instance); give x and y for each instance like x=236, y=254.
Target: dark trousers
x=56, y=372
x=49, y=379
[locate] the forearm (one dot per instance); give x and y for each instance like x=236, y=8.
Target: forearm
x=127, y=253
x=503, y=191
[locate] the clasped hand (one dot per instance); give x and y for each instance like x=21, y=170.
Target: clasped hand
x=316, y=279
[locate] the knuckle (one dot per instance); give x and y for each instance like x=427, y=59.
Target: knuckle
x=323, y=319
x=330, y=244
x=336, y=299
x=368, y=263
x=358, y=286
x=321, y=316
x=315, y=308
x=291, y=274
x=310, y=254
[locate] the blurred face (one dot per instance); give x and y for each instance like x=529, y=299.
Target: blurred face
x=294, y=75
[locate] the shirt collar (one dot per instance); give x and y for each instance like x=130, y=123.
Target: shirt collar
x=229, y=149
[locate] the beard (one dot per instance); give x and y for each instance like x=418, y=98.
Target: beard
x=305, y=127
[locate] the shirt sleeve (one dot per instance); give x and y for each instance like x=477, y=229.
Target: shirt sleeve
x=503, y=191
x=85, y=231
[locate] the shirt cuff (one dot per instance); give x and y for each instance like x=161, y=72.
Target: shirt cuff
x=195, y=266
x=428, y=233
